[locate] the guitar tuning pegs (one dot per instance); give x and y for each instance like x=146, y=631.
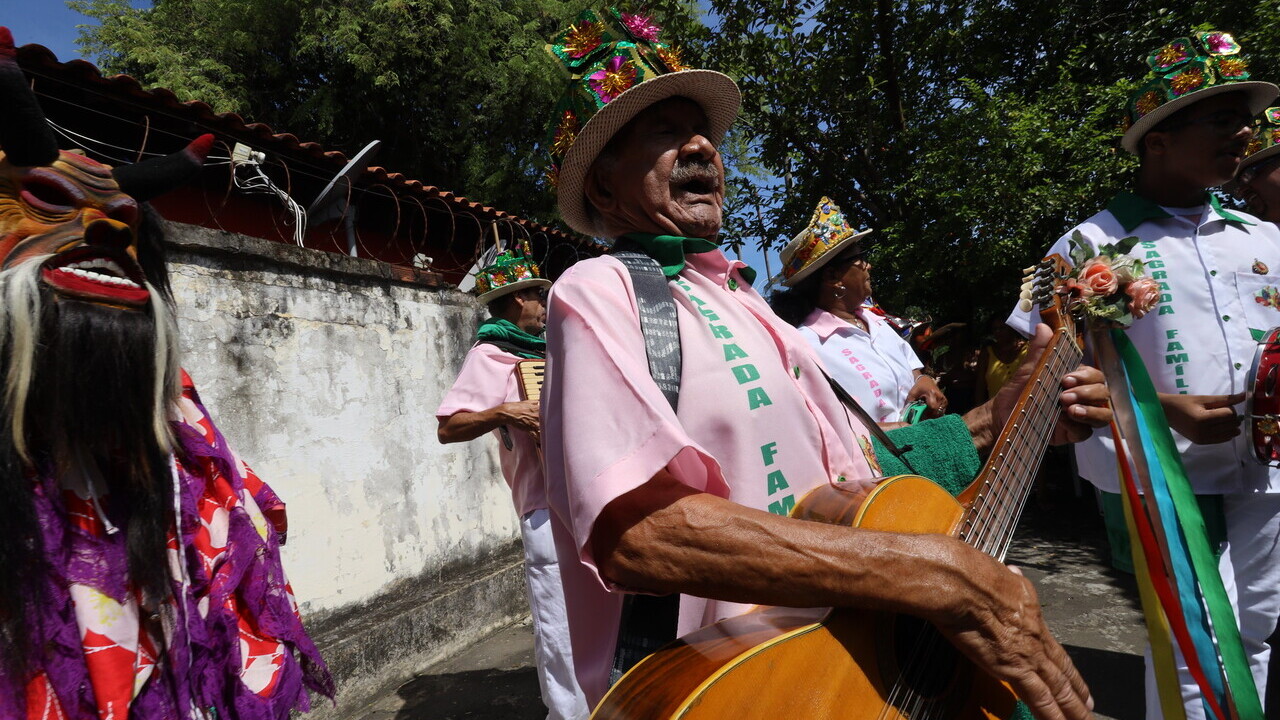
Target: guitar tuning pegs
x=1024, y=305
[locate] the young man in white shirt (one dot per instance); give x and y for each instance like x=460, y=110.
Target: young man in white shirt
x=1198, y=344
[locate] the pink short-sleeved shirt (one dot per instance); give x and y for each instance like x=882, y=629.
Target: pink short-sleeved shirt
x=757, y=423
x=487, y=380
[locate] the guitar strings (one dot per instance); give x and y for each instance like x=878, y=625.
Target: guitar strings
x=997, y=503
x=1011, y=501
x=1035, y=419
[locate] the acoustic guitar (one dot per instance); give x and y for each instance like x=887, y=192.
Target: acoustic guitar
x=824, y=664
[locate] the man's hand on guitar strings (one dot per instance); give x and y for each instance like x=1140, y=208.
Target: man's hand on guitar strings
x=1001, y=630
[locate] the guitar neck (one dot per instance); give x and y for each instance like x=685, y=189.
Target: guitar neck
x=996, y=498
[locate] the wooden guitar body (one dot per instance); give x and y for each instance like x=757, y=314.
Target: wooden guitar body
x=820, y=664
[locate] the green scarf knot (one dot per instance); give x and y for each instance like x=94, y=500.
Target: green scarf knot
x=505, y=331
x=669, y=252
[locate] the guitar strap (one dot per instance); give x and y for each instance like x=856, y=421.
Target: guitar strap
x=515, y=349
x=649, y=621
x=872, y=427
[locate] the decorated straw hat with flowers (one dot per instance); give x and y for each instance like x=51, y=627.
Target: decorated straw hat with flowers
x=617, y=65
x=1187, y=70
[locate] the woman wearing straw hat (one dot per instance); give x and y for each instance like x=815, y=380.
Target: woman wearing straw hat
x=829, y=281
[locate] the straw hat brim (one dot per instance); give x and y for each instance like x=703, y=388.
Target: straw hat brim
x=1231, y=185
x=1258, y=157
x=716, y=92
x=831, y=254
x=496, y=293
x=1261, y=94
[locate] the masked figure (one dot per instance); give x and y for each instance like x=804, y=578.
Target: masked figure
x=140, y=573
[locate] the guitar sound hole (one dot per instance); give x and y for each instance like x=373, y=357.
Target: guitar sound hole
x=927, y=663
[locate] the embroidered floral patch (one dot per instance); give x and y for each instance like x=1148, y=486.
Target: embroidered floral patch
x=1233, y=68
x=1268, y=296
x=583, y=38
x=1149, y=101
x=1220, y=43
x=1171, y=54
x=1186, y=81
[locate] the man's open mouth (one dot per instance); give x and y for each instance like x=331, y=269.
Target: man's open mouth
x=94, y=274
x=699, y=186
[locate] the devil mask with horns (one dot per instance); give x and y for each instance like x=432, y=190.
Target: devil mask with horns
x=114, y=479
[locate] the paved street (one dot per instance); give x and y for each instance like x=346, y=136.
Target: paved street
x=1060, y=546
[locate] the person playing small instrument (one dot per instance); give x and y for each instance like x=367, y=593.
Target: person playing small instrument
x=1211, y=267
x=486, y=397
x=826, y=298
x=647, y=499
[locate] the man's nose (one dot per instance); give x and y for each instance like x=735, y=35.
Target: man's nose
x=698, y=146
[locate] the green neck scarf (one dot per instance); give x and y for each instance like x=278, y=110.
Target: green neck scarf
x=505, y=331
x=669, y=252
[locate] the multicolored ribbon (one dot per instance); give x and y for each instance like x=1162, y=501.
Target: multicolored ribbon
x=1179, y=583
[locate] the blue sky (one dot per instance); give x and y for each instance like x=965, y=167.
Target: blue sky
x=52, y=24
x=45, y=22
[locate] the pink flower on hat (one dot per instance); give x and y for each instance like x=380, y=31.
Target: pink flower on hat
x=616, y=77
x=1172, y=54
x=641, y=26
x=1220, y=43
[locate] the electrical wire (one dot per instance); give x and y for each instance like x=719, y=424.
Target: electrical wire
x=248, y=177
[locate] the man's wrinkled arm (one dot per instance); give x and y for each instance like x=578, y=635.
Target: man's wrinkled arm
x=664, y=537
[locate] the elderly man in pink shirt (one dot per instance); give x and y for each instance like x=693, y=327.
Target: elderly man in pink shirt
x=486, y=398
x=647, y=499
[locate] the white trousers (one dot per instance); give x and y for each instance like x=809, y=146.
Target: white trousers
x=1251, y=573
x=560, y=691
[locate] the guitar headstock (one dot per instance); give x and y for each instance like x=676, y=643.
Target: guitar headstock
x=1044, y=285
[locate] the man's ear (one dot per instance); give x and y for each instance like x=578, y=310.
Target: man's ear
x=1155, y=142
x=599, y=187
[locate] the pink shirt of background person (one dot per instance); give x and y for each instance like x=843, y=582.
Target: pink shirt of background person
x=757, y=423
x=488, y=379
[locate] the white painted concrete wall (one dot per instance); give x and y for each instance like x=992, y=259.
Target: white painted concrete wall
x=326, y=383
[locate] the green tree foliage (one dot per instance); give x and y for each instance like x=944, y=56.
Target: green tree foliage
x=970, y=135
x=459, y=92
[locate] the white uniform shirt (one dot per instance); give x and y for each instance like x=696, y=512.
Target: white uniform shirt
x=1215, y=271
x=876, y=366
